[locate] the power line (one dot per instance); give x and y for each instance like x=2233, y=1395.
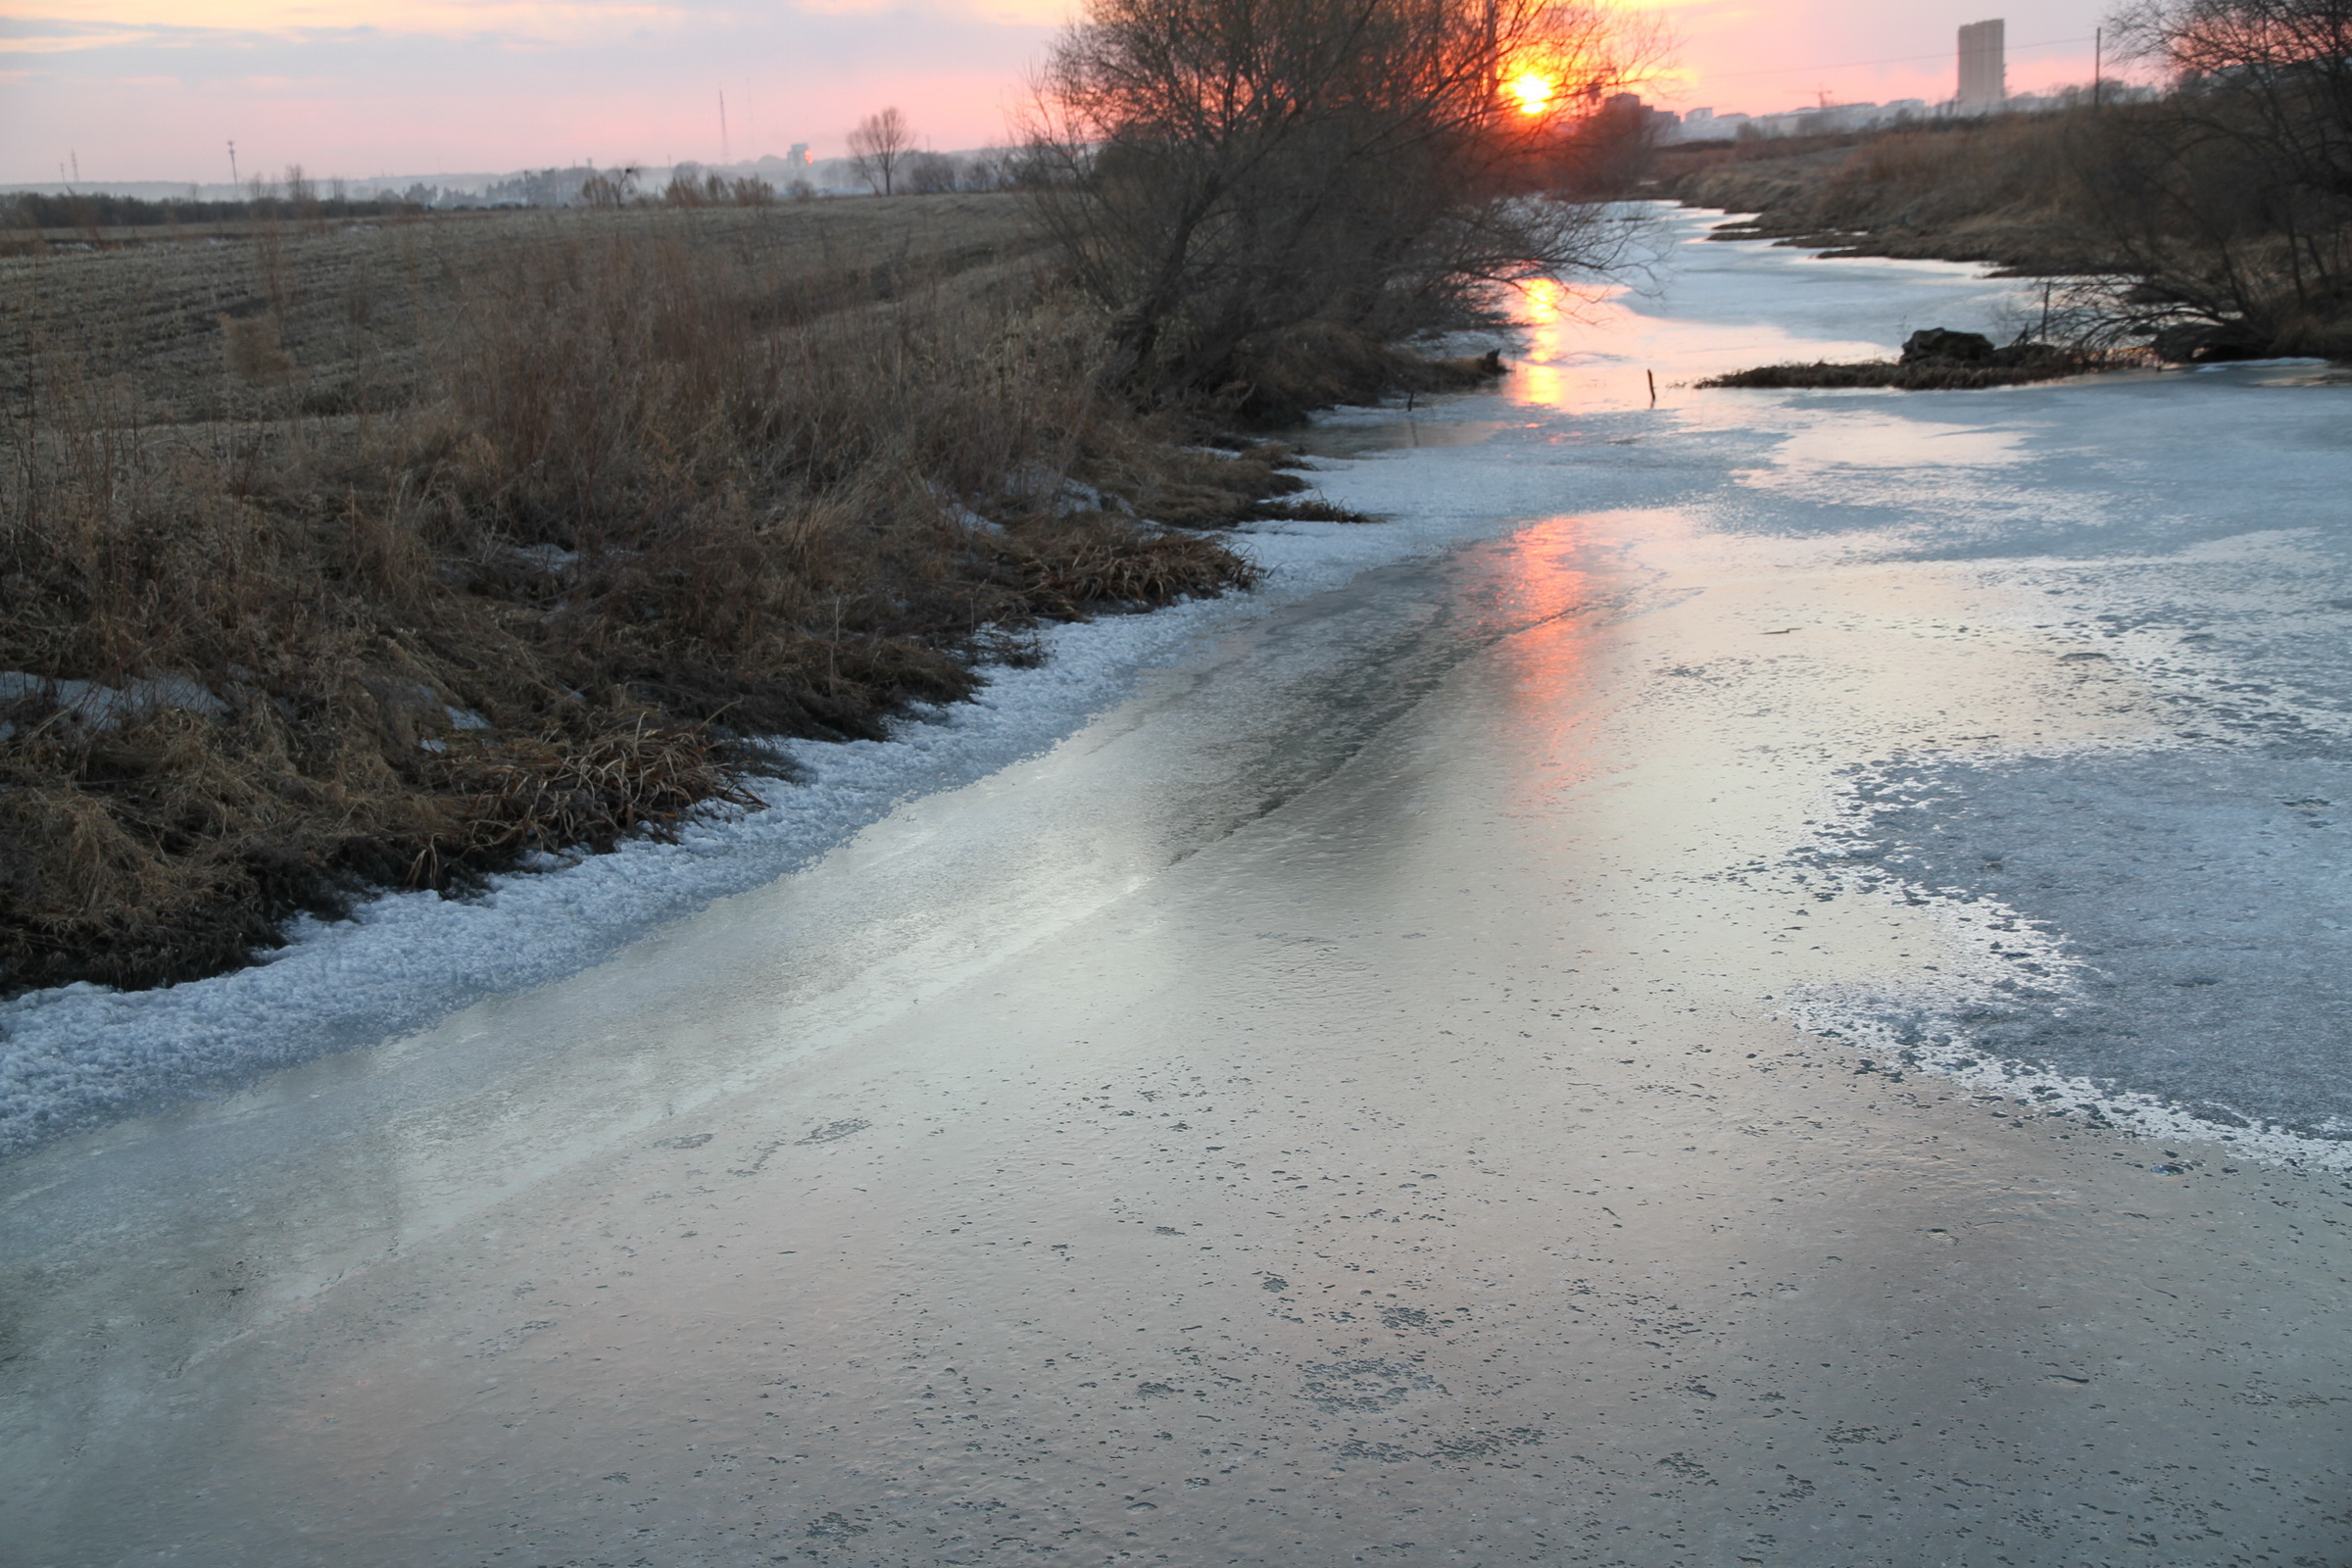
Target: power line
x=1893, y=60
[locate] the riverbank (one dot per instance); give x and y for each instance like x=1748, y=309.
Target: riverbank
x=75, y=1058
x=354, y=556
x=1993, y=194
x=2133, y=215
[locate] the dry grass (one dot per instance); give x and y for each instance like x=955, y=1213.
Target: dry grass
x=2048, y=366
x=2172, y=232
x=2008, y=190
x=357, y=304
x=391, y=558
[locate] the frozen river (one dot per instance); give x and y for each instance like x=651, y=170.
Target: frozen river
x=1754, y=979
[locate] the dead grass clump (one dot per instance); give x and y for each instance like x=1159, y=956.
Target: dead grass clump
x=512, y=799
x=252, y=350
x=1180, y=486
x=1312, y=509
x=157, y=850
x=1094, y=567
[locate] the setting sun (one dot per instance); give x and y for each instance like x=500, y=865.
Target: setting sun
x=1532, y=90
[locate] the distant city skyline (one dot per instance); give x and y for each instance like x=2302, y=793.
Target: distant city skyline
x=155, y=89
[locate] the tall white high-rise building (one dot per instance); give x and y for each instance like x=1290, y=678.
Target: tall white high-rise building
x=1983, y=73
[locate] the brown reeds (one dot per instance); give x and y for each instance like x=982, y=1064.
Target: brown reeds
x=2019, y=370
x=2010, y=190
x=2184, y=223
x=398, y=593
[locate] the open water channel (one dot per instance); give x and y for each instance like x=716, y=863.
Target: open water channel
x=1765, y=983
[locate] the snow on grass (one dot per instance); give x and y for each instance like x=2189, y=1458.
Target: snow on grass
x=77, y=1055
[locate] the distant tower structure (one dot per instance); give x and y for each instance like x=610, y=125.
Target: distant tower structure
x=1984, y=72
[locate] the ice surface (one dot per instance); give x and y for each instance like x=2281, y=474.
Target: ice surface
x=2190, y=538
x=2205, y=897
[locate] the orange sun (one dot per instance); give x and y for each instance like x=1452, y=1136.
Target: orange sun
x=1533, y=90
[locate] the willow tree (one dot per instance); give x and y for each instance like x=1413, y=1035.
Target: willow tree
x=1220, y=171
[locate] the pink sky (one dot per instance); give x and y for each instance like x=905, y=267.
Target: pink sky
x=155, y=89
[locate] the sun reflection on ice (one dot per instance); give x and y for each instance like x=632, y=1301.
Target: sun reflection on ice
x=1565, y=327
x=1546, y=569
x=1598, y=348
x=1550, y=665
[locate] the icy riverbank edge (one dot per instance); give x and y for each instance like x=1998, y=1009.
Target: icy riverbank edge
x=78, y=1056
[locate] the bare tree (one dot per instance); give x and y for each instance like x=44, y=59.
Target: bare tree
x=2276, y=73
x=929, y=174
x=2229, y=201
x=614, y=187
x=990, y=168
x=878, y=146
x=1222, y=172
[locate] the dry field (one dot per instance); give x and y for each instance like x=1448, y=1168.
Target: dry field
x=392, y=555
x=343, y=313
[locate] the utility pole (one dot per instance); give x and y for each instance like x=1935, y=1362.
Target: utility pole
x=2098, y=50
x=233, y=181
x=726, y=153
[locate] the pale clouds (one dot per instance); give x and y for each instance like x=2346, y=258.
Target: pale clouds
x=135, y=89
x=152, y=90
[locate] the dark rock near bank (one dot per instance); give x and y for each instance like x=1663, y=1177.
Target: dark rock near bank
x=1937, y=345
x=2206, y=343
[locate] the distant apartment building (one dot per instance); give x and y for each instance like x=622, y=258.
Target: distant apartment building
x=1660, y=125
x=1984, y=71
x=782, y=172
x=1984, y=90
x=1706, y=125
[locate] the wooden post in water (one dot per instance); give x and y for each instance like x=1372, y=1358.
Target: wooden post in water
x=1654, y=387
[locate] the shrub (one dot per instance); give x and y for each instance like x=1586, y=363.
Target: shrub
x=1220, y=174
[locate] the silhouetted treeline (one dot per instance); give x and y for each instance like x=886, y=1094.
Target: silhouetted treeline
x=32, y=210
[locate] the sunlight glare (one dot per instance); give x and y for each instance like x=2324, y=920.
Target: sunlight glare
x=1533, y=90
